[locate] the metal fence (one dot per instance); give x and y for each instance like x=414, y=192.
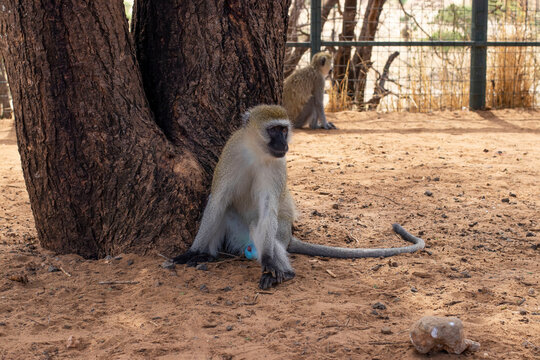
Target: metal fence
x=423, y=55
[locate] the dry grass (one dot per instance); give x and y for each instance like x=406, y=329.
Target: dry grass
x=512, y=72
x=442, y=85
x=338, y=100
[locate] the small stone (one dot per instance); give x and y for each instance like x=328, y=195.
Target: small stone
x=52, y=268
x=130, y=262
x=436, y=178
x=444, y=216
x=73, y=343
x=374, y=312
x=67, y=327
x=168, y=265
x=530, y=234
x=386, y=330
x=505, y=200
x=413, y=289
x=108, y=257
x=335, y=206
x=229, y=303
x=379, y=305
x=523, y=312
x=486, y=150
x=512, y=194
x=204, y=288
x=229, y=328
x=428, y=193
x=465, y=274
x=531, y=291
x=226, y=289
x=2, y=323
x=202, y=267
x=157, y=283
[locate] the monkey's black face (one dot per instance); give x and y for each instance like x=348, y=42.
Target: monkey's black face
x=278, y=145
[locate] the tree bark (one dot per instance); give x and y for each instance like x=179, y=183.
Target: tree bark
x=343, y=54
x=361, y=61
x=107, y=170
x=205, y=62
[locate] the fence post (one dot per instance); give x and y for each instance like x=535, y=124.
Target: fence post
x=315, y=32
x=477, y=86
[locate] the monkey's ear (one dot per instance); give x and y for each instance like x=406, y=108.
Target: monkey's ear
x=323, y=61
x=245, y=118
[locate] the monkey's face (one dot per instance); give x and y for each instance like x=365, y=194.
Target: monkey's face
x=326, y=65
x=279, y=136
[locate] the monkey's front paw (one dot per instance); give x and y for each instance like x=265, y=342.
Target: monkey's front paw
x=192, y=258
x=270, y=278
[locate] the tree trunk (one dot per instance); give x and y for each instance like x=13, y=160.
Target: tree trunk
x=107, y=170
x=361, y=61
x=343, y=55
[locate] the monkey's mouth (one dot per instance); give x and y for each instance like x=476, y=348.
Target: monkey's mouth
x=278, y=153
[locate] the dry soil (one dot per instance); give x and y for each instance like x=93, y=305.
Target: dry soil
x=468, y=183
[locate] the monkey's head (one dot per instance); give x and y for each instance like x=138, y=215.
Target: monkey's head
x=271, y=128
x=322, y=61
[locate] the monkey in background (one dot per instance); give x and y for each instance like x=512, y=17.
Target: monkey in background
x=250, y=202
x=303, y=93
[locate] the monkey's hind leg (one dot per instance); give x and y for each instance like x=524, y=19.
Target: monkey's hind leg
x=307, y=114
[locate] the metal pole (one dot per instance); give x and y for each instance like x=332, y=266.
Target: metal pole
x=477, y=87
x=315, y=27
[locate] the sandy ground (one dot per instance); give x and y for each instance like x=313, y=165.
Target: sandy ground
x=481, y=226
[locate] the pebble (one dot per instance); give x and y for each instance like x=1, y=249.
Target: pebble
x=229, y=328
x=523, y=312
x=130, y=262
x=2, y=323
x=530, y=234
x=204, y=288
x=168, y=265
x=379, y=305
x=505, y=200
x=202, y=267
x=386, y=330
x=428, y=193
x=413, y=289
x=52, y=268
x=226, y=288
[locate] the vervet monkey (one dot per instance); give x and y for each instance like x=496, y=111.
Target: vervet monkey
x=250, y=202
x=303, y=93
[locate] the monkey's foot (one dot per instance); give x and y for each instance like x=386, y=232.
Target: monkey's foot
x=329, y=126
x=270, y=278
x=192, y=258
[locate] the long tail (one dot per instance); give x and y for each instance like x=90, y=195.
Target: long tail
x=300, y=247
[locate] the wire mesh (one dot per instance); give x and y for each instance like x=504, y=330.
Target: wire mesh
x=421, y=78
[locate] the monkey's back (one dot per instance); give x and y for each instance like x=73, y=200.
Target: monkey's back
x=298, y=89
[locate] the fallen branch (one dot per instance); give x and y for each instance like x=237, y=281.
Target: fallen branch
x=65, y=272
x=379, y=92
x=118, y=282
